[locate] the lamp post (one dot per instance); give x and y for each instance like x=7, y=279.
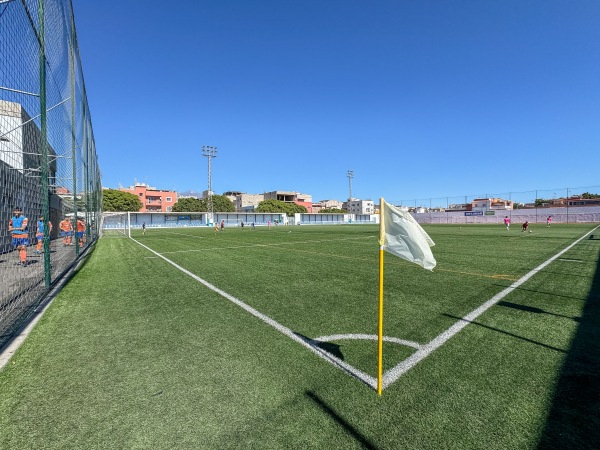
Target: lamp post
x=209, y=152
x=567, y=205
x=350, y=175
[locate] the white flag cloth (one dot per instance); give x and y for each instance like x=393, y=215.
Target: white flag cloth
x=402, y=236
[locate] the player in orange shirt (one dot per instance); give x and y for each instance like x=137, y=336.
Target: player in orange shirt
x=80, y=232
x=66, y=230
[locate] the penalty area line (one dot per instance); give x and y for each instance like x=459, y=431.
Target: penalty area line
x=305, y=342
x=393, y=374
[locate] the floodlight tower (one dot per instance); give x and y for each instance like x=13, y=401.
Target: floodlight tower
x=350, y=175
x=210, y=153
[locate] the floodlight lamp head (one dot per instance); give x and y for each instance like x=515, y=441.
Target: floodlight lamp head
x=209, y=151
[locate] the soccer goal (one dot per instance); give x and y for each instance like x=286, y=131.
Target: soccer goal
x=116, y=225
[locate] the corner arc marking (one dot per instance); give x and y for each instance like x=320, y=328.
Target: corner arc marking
x=371, y=337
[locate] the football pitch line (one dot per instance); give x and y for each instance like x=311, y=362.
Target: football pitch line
x=306, y=342
x=183, y=234
x=475, y=274
x=393, y=374
x=233, y=247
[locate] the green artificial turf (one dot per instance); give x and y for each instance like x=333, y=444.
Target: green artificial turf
x=135, y=353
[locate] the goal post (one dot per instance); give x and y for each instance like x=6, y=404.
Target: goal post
x=116, y=224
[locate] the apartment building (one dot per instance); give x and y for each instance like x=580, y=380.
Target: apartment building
x=153, y=200
x=291, y=197
x=490, y=204
x=357, y=206
x=247, y=202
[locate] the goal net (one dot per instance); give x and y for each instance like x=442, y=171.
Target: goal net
x=115, y=225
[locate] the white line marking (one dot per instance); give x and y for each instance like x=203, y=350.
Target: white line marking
x=266, y=245
x=571, y=260
x=371, y=337
x=393, y=374
x=184, y=234
x=308, y=343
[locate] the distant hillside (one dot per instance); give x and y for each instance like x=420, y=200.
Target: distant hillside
x=190, y=194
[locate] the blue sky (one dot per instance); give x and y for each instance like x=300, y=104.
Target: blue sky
x=427, y=98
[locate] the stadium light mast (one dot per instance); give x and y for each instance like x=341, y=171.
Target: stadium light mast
x=210, y=153
x=350, y=175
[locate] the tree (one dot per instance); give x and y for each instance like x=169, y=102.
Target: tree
x=277, y=206
x=587, y=195
x=188, y=205
x=114, y=200
x=273, y=206
x=293, y=208
x=220, y=204
x=332, y=211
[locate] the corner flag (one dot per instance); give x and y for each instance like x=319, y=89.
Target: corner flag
x=401, y=235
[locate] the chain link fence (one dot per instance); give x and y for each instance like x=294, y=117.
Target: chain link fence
x=566, y=205
x=48, y=161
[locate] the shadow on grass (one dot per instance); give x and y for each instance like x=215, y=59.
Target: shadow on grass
x=348, y=428
x=508, y=334
x=329, y=347
x=535, y=310
x=548, y=293
x=574, y=417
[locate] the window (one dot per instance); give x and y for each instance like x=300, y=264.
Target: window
x=169, y=208
x=169, y=199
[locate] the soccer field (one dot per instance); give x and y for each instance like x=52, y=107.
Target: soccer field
x=265, y=338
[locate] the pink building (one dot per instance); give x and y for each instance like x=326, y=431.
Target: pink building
x=153, y=200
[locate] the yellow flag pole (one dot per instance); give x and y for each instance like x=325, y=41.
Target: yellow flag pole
x=380, y=331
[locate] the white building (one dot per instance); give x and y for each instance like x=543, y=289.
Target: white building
x=21, y=168
x=357, y=206
x=331, y=204
x=491, y=204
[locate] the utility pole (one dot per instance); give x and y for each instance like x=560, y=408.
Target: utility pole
x=209, y=152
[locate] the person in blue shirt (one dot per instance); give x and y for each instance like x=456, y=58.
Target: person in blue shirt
x=40, y=233
x=17, y=227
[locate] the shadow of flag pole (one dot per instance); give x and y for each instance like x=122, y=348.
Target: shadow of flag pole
x=401, y=235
